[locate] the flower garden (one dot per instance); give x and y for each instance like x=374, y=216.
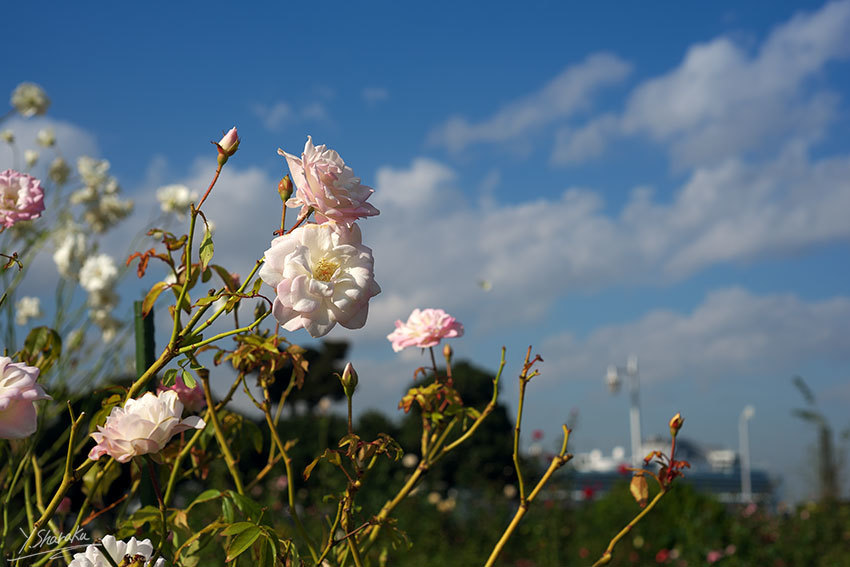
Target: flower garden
x=105, y=464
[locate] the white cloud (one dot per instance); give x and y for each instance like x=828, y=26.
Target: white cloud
x=723, y=100
x=732, y=334
x=424, y=184
x=581, y=144
x=374, y=95
x=275, y=116
x=434, y=253
x=563, y=96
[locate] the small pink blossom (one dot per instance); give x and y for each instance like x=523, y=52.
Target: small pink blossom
x=325, y=183
x=193, y=399
x=21, y=198
x=323, y=275
x=142, y=426
x=714, y=556
x=18, y=394
x=424, y=328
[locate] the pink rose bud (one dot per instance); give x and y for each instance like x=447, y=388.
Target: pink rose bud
x=228, y=145
x=349, y=380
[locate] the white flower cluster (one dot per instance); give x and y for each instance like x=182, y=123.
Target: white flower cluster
x=98, y=276
x=71, y=250
x=27, y=308
x=99, y=195
x=30, y=99
x=176, y=199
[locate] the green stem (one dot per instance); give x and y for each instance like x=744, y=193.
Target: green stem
x=219, y=435
x=67, y=480
x=223, y=335
x=606, y=556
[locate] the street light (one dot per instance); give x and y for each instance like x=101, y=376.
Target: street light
x=613, y=380
x=744, y=450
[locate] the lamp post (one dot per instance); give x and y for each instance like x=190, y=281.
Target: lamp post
x=613, y=380
x=744, y=450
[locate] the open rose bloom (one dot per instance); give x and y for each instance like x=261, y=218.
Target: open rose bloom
x=142, y=426
x=424, y=328
x=323, y=275
x=325, y=183
x=18, y=394
x=117, y=549
x=21, y=198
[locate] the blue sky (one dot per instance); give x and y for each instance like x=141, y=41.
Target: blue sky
x=670, y=180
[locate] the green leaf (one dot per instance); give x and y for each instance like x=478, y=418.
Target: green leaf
x=42, y=348
x=206, y=249
x=152, y=296
x=225, y=277
x=255, y=433
x=168, y=377
x=206, y=300
x=242, y=542
x=237, y=528
x=247, y=506
x=205, y=496
x=188, y=379
x=227, y=510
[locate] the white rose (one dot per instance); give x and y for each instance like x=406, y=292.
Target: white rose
x=142, y=426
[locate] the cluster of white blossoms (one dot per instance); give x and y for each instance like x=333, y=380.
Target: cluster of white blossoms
x=322, y=272
x=29, y=99
x=98, y=276
x=103, y=207
x=27, y=308
x=176, y=199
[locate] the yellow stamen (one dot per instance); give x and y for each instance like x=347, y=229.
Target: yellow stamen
x=325, y=269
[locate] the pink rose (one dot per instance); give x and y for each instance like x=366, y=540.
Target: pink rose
x=323, y=275
x=142, y=426
x=325, y=183
x=425, y=328
x=193, y=399
x=18, y=392
x=21, y=198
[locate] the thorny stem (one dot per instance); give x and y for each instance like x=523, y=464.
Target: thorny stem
x=161, y=503
x=215, y=178
x=330, y=543
x=557, y=462
x=187, y=267
x=606, y=556
x=301, y=219
x=67, y=480
x=287, y=462
x=219, y=435
x=429, y=457
x=223, y=335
